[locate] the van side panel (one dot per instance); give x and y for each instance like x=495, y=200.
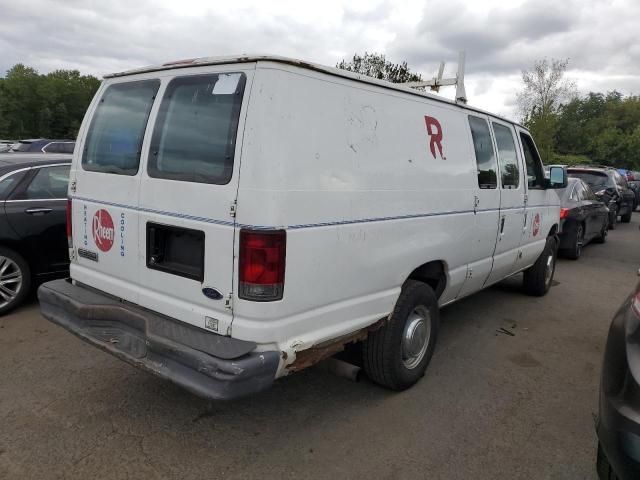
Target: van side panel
x=348, y=170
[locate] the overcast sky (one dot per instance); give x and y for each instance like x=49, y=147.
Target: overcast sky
x=601, y=38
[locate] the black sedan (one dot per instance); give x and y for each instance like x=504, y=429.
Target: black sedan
x=611, y=188
x=618, y=424
x=583, y=217
x=33, y=239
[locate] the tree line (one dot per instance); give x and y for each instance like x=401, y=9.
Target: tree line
x=52, y=105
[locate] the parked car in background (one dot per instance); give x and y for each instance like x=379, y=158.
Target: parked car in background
x=611, y=188
x=43, y=145
x=33, y=240
x=618, y=423
x=583, y=218
x=635, y=186
x=5, y=145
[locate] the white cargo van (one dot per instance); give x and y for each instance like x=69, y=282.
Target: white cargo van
x=233, y=220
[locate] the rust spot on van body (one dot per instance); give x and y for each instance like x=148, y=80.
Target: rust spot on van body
x=317, y=353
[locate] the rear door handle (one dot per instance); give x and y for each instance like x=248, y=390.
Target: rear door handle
x=502, y=225
x=36, y=211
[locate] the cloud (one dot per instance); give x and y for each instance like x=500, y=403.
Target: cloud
x=599, y=37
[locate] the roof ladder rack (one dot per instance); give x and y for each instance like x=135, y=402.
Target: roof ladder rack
x=436, y=82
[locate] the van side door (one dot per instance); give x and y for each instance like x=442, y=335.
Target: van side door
x=486, y=206
x=538, y=217
x=512, y=195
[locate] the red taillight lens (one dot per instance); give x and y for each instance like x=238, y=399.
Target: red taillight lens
x=564, y=213
x=262, y=265
x=69, y=225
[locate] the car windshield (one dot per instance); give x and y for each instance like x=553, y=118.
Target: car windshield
x=597, y=181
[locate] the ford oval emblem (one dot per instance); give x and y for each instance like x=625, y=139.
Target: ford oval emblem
x=211, y=293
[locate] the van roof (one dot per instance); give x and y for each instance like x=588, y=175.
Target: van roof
x=250, y=58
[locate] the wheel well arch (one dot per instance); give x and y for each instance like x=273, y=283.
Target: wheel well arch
x=433, y=273
x=553, y=231
x=21, y=250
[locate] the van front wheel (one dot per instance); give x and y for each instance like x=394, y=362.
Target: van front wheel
x=538, y=277
x=397, y=354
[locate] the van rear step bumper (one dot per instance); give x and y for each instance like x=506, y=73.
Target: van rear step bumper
x=207, y=364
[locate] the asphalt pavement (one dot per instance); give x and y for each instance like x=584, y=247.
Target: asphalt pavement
x=511, y=393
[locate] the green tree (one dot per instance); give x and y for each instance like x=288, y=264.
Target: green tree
x=377, y=66
x=51, y=105
x=603, y=127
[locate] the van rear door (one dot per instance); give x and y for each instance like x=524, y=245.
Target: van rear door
x=187, y=199
x=105, y=185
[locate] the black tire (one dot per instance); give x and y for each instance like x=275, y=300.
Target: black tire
x=12, y=266
x=536, y=282
x=602, y=238
x=626, y=218
x=578, y=242
x=384, y=351
x=603, y=467
x=613, y=218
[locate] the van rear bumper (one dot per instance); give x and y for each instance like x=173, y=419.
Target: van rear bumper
x=207, y=364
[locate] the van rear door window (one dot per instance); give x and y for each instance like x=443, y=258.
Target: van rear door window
x=485, y=155
x=194, y=137
x=114, y=140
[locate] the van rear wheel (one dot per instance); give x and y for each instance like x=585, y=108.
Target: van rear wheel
x=397, y=354
x=537, y=278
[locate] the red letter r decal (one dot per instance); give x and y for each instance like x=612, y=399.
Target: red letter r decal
x=435, y=135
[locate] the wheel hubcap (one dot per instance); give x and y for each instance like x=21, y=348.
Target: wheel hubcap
x=416, y=336
x=10, y=280
x=548, y=271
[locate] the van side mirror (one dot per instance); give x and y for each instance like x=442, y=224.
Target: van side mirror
x=557, y=177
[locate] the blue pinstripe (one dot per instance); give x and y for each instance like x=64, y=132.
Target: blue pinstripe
x=227, y=223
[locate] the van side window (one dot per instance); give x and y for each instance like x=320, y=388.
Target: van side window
x=535, y=177
x=507, y=157
x=485, y=155
x=114, y=140
x=194, y=137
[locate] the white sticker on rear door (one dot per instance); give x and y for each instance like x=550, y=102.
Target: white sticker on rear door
x=226, y=84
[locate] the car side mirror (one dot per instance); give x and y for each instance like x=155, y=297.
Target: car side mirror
x=557, y=177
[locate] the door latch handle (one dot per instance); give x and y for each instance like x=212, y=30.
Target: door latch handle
x=502, y=225
x=35, y=211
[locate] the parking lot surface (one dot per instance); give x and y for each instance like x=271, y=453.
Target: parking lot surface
x=493, y=405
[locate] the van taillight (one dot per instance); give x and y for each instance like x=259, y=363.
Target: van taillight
x=69, y=225
x=262, y=264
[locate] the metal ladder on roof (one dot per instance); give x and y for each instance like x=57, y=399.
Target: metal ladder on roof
x=436, y=82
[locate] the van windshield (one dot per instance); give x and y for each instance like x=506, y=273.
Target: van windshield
x=195, y=135
x=115, y=136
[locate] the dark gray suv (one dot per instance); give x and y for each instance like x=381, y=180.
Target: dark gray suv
x=611, y=188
